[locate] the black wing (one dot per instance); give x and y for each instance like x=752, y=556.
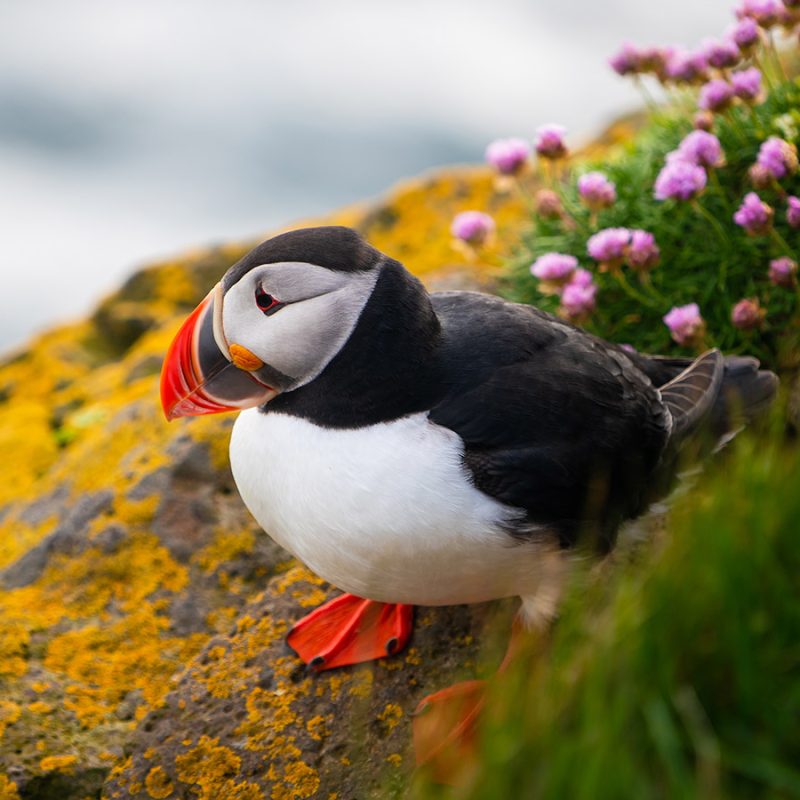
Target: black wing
x=554, y=421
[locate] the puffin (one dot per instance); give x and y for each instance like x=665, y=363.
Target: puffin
x=416, y=448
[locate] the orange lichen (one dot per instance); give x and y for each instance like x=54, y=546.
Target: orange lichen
x=64, y=764
x=395, y=759
x=158, y=784
x=40, y=707
x=317, y=727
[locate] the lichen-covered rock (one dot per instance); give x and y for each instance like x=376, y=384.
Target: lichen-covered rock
x=130, y=571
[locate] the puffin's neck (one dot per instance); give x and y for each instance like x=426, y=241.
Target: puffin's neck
x=387, y=369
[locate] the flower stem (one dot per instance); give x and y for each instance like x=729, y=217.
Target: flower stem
x=631, y=292
x=782, y=243
x=714, y=222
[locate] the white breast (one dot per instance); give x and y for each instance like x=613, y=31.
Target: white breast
x=385, y=512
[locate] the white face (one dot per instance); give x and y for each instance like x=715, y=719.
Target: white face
x=320, y=309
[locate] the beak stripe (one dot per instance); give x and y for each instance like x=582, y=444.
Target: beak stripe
x=219, y=331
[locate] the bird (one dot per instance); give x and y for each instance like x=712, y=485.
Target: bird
x=416, y=448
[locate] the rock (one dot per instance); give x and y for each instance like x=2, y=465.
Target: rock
x=133, y=612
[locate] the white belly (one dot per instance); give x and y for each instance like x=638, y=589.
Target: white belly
x=385, y=512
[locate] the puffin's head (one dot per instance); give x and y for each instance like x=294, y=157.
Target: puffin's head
x=272, y=324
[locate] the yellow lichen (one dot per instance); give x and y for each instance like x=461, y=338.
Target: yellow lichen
x=225, y=546
x=299, y=781
x=8, y=789
x=211, y=769
x=158, y=784
x=317, y=727
x=40, y=707
x=395, y=759
x=9, y=714
x=64, y=764
x=391, y=715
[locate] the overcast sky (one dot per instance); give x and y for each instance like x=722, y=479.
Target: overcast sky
x=132, y=129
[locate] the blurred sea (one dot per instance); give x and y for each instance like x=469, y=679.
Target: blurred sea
x=131, y=130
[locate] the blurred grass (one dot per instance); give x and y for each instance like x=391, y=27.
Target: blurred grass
x=714, y=265
x=675, y=674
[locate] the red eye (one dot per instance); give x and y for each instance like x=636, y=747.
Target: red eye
x=266, y=303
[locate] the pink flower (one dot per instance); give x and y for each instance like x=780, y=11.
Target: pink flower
x=684, y=67
x=747, y=314
x=685, y=324
x=643, y=253
x=747, y=84
x=553, y=270
x=627, y=60
x=547, y=204
x=702, y=148
x=783, y=272
x=596, y=190
x=508, y=156
x=579, y=297
x=721, y=54
x=754, y=215
x=765, y=12
x=608, y=246
x=680, y=180
x=746, y=33
x=550, y=141
x=472, y=227
x=778, y=157
x=715, y=95
x=793, y=211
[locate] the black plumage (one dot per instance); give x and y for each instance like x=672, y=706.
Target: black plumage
x=570, y=430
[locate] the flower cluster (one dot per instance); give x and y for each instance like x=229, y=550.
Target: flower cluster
x=559, y=274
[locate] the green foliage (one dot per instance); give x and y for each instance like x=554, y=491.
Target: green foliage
x=705, y=257
x=677, y=678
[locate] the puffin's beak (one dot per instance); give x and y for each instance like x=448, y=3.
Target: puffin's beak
x=198, y=377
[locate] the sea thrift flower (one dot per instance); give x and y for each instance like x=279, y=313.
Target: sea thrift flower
x=783, y=272
x=778, y=157
x=643, y=253
x=553, y=270
x=715, y=95
x=685, y=324
x=547, y=204
x=747, y=314
x=508, y=156
x=596, y=190
x=579, y=298
x=793, y=211
x=746, y=34
x=721, y=54
x=754, y=215
x=747, y=84
x=680, y=180
x=703, y=121
x=684, y=67
x=550, y=141
x=701, y=148
x=765, y=12
x=472, y=227
x=608, y=246
x=627, y=60
x=759, y=176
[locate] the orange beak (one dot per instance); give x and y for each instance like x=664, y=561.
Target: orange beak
x=198, y=378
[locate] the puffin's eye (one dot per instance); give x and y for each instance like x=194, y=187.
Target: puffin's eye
x=266, y=303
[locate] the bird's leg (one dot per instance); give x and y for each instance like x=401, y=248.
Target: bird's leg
x=446, y=723
x=349, y=630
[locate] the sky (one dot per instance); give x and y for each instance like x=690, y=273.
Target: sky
x=131, y=130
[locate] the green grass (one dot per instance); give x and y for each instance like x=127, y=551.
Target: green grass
x=675, y=674
x=705, y=257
